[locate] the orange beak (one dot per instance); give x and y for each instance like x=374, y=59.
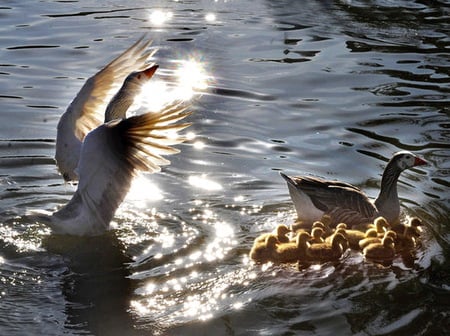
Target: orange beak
x=419, y=162
x=150, y=71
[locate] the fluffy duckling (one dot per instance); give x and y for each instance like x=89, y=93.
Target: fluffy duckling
x=381, y=225
x=262, y=251
x=340, y=230
x=328, y=252
x=383, y=251
x=371, y=237
x=374, y=237
x=317, y=236
x=353, y=236
x=290, y=252
x=280, y=233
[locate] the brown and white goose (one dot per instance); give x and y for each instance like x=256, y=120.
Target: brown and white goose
x=314, y=197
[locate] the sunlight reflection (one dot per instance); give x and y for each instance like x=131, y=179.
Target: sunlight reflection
x=191, y=78
x=158, y=17
x=210, y=17
x=142, y=189
x=202, y=182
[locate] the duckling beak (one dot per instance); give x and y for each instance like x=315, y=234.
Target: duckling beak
x=419, y=162
x=150, y=71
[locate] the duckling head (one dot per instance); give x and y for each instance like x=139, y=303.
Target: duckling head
x=341, y=226
x=339, y=240
x=317, y=233
x=381, y=224
x=282, y=230
x=391, y=234
x=271, y=241
x=415, y=222
x=388, y=242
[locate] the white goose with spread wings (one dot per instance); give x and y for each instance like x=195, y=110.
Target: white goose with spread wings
x=93, y=105
x=314, y=197
x=109, y=159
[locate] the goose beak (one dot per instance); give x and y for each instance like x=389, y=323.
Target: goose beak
x=150, y=71
x=419, y=162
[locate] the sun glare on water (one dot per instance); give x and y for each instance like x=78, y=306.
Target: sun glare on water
x=189, y=78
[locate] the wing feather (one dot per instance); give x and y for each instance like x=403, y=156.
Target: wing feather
x=90, y=103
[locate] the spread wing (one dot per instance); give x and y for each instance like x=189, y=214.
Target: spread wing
x=89, y=105
x=115, y=151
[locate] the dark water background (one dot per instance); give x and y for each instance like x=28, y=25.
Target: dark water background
x=331, y=88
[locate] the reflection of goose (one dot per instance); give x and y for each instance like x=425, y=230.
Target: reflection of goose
x=313, y=197
x=87, y=110
x=110, y=157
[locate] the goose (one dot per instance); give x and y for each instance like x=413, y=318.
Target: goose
x=93, y=105
x=111, y=155
x=313, y=197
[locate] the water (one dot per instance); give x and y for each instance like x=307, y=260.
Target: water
x=321, y=87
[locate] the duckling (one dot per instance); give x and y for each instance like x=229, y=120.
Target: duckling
x=381, y=225
x=263, y=250
x=353, y=236
x=371, y=237
x=291, y=252
x=401, y=228
x=408, y=240
x=328, y=252
x=416, y=222
x=317, y=236
x=280, y=233
x=383, y=252
x=374, y=237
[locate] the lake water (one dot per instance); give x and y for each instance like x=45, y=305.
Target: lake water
x=329, y=88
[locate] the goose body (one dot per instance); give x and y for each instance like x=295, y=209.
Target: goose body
x=110, y=157
x=315, y=197
x=87, y=109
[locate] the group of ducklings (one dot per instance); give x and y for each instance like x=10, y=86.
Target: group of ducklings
x=378, y=241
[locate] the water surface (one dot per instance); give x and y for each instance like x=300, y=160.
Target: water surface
x=329, y=88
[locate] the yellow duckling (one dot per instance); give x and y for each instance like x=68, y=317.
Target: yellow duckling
x=328, y=252
x=262, y=250
x=280, y=233
x=382, y=252
x=290, y=252
x=371, y=237
x=353, y=236
x=317, y=236
x=381, y=225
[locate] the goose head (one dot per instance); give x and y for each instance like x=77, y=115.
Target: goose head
x=405, y=160
x=135, y=80
x=131, y=88
x=387, y=202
